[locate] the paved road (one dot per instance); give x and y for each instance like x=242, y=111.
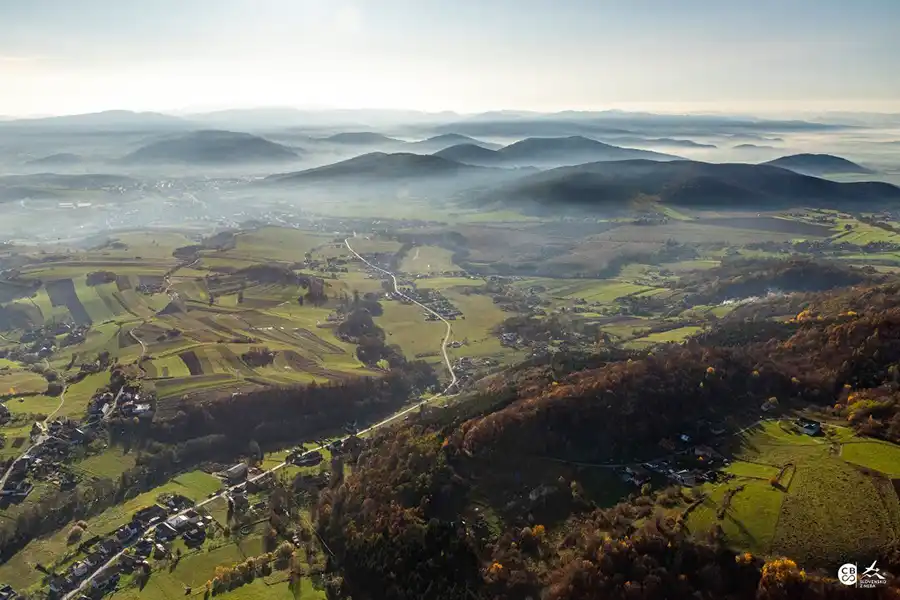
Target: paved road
x=419, y=304
x=376, y=426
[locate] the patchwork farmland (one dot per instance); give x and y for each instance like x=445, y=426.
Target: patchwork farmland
x=187, y=325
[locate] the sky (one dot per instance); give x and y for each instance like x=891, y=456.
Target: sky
x=74, y=56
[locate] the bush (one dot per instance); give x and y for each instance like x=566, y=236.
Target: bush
x=75, y=534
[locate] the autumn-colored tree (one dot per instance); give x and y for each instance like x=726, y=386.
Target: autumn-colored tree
x=781, y=579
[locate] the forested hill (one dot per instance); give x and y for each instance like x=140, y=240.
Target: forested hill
x=471, y=502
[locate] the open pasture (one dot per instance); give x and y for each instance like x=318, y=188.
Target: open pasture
x=268, y=245
x=428, y=259
x=801, y=517
x=679, y=334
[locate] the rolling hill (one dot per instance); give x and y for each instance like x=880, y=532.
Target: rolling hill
x=62, y=159
x=378, y=166
x=470, y=154
x=362, y=138
x=818, y=164
x=447, y=140
x=211, y=147
x=548, y=152
x=612, y=185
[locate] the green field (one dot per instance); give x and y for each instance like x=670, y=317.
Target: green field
x=873, y=454
x=751, y=520
x=405, y=325
x=270, y=244
x=816, y=529
x=601, y=291
x=35, y=405
x=427, y=259
x=166, y=586
x=862, y=233
x=673, y=335
x=79, y=395
x=826, y=511
x=17, y=440
x=16, y=380
x=110, y=463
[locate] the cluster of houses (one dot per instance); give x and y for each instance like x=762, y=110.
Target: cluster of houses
x=151, y=288
x=696, y=465
x=457, y=273
x=129, y=402
x=434, y=300
x=41, y=342
x=150, y=532
x=465, y=367
x=45, y=459
x=689, y=463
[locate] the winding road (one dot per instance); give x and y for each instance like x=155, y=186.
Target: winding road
x=398, y=415
x=397, y=291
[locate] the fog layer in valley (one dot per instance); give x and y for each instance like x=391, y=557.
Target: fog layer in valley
x=67, y=178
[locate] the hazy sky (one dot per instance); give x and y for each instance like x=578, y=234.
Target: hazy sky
x=69, y=56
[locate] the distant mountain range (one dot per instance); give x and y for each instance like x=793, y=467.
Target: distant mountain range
x=819, y=164
x=547, y=152
x=658, y=142
x=609, y=123
x=379, y=142
x=111, y=120
x=211, y=147
x=613, y=185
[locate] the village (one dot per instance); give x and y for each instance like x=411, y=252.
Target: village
x=55, y=442
x=151, y=531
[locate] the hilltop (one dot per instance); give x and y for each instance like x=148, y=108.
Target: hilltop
x=211, y=147
x=471, y=154
x=689, y=183
x=362, y=138
x=818, y=164
x=380, y=166
x=550, y=152
x=62, y=159
x=439, y=143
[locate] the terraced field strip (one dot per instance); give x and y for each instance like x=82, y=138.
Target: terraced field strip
x=62, y=293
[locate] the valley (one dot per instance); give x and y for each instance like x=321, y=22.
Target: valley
x=317, y=362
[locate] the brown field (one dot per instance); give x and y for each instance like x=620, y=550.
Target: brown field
x=192, y=362
x=773, y=224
